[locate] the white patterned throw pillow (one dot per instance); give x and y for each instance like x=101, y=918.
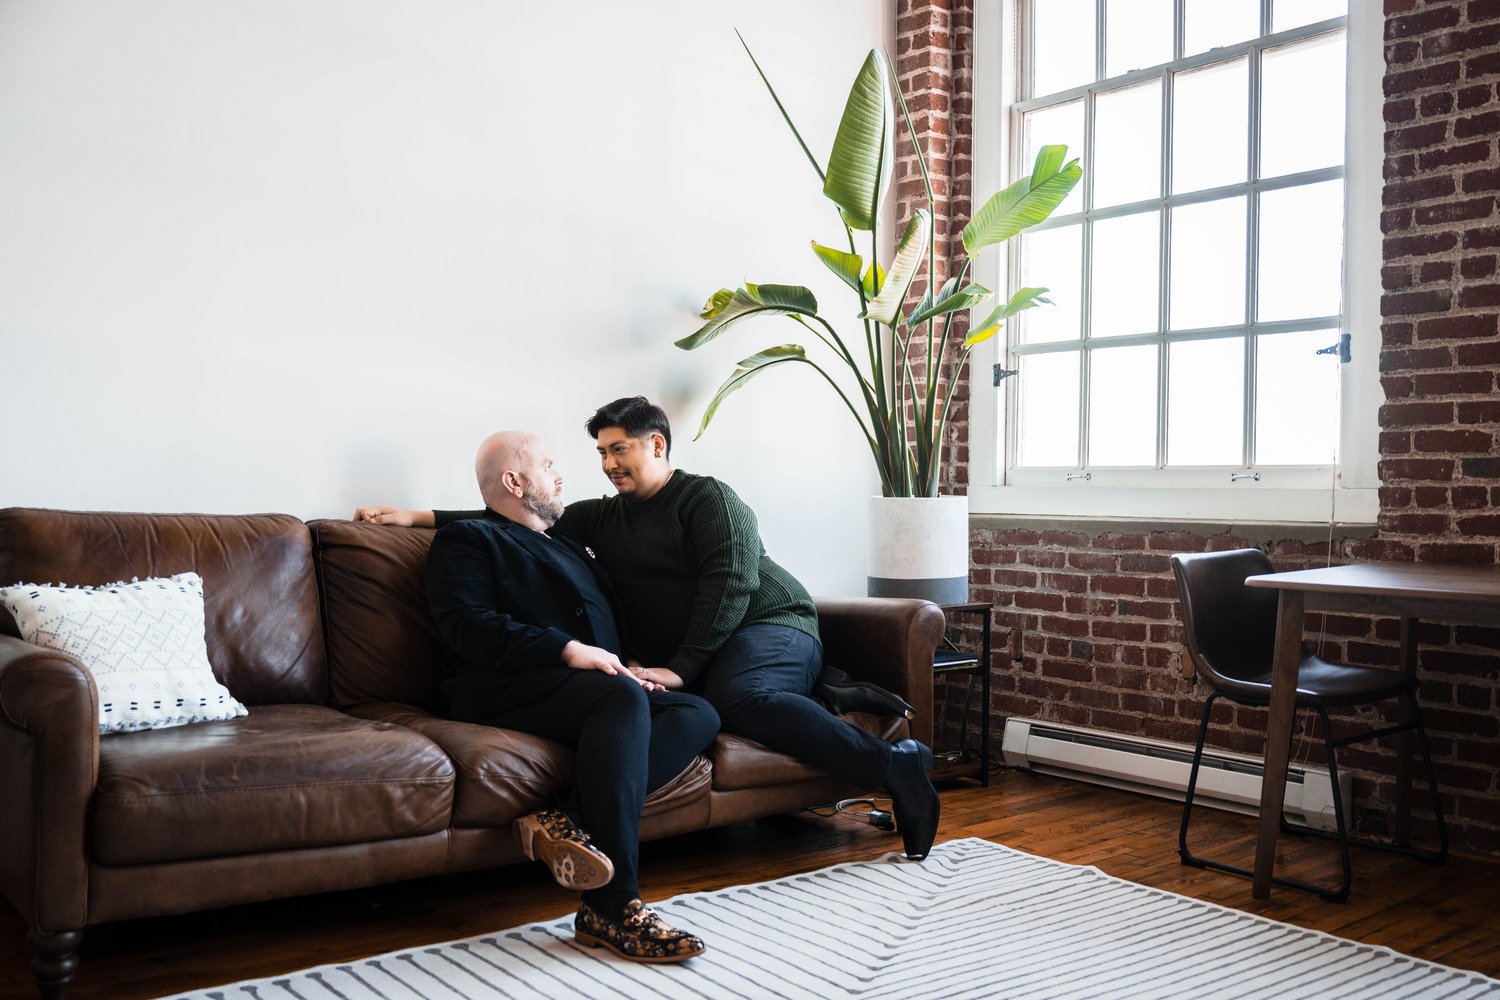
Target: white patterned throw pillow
x=142, y=641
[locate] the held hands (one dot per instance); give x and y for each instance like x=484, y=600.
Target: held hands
x=661, y=677
x=397, y=516
x=581, y=656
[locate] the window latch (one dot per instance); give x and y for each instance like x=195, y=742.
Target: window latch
x=1341, y=349
x=1080, y=475
x=1254, y=477
x=1001, y=374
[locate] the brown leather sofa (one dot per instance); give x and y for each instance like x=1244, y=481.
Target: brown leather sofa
x=342, y=775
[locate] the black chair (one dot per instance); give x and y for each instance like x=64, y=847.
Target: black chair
x=1231, y=634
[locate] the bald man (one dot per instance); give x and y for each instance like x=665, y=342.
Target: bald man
x=532, y=625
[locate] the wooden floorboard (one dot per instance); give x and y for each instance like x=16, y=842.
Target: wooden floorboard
x=1441, y=913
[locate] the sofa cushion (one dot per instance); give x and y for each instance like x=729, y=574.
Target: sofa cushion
x=142, y=641
x=382, y=646
x=503, y=774
x=285, y=776
x=261, y=615
x=742, y=763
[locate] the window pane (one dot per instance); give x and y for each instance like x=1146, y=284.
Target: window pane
x=1063, y=45
x=1301, y=251
x=1052, y=259
x=1061, y=124
x=1138, y=34
x=1048, y=428
x=1209, y=24
x=1302, y=106
x=1127, y=145
x=1206, y=402
x=1292, y=13
x=1208, y=264
x=1296, y=399
x=1211, y=112
x=1126, y=273
x=1122, y=406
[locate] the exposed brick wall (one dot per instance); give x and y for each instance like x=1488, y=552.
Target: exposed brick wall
x=1098, y=608
x=934, y=69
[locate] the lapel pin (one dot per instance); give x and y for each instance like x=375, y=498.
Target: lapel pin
x=590, y=552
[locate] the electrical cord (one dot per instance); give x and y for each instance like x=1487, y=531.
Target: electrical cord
x=877, y=817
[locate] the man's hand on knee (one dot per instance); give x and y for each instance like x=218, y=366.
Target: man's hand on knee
x=581, y=656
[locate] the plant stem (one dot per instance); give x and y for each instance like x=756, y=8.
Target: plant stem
x=869, y=439
x=877, y=370
x=958, y=368
x=911, y=131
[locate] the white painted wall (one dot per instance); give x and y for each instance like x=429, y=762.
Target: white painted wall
x=288, y=256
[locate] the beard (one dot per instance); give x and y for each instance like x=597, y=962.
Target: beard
x=548, y=507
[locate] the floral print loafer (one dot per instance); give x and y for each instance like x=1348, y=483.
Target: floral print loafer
x=550, y=837
x=640, y=936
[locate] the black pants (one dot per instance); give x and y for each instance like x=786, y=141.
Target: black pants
x=626, y=744
x=759, y=681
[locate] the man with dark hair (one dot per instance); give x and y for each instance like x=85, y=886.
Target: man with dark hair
x=530, y=622
x=711, y=613
x=637, y=416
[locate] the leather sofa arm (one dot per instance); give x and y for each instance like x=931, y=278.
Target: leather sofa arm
x=887, y=641
x=49, y=766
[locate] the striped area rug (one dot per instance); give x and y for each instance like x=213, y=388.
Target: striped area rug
x=974, y=920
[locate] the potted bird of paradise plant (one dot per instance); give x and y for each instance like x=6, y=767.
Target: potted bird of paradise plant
x=890, y=373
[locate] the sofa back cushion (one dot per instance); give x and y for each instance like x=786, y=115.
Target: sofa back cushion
x=260, y=597
x=381, y=642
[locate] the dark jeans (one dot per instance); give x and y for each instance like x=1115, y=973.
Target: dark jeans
x=626, y=744
x=760, y=680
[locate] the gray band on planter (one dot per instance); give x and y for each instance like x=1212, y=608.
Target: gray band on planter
x=939, y=590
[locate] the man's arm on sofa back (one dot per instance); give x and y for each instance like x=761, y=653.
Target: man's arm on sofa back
x=49, y=765
x=887, y=641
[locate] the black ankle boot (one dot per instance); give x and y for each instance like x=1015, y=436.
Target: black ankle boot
x=913, y=799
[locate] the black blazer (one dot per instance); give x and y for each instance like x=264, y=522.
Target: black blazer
x=505, y=606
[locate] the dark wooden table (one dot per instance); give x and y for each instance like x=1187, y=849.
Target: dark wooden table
x=1408, y=591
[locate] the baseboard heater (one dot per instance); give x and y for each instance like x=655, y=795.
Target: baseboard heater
x=1225, y=781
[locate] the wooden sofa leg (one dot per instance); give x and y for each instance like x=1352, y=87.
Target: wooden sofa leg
x=56, y=962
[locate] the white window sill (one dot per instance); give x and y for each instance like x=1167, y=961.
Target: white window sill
x=1243, y=503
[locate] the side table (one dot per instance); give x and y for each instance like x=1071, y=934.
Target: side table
x=949, y=659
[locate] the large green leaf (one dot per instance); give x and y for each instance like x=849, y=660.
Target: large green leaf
x=874, y=278
x=949, y=301
x=1025, y=203
x=925, y=302
x=747, y=369
x=886, y=306
x=1025, y=298
x=752, y=300
x=859, y=167
x=846, y=265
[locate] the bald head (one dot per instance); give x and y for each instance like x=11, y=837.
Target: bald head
x=502, y=452
x=516, y=478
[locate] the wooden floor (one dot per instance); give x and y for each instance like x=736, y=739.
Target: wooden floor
x=1445, y=914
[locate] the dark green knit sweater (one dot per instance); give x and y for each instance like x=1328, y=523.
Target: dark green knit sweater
x=689, y=568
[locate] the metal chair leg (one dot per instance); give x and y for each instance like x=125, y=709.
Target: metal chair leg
x=1432, y=786
x=1187, y=806
x=1432, y=857
x=1189, y=858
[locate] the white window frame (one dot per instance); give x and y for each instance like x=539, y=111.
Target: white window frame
x=1347, y=494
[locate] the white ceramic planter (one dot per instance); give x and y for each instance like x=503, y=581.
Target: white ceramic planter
x=919, y=547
